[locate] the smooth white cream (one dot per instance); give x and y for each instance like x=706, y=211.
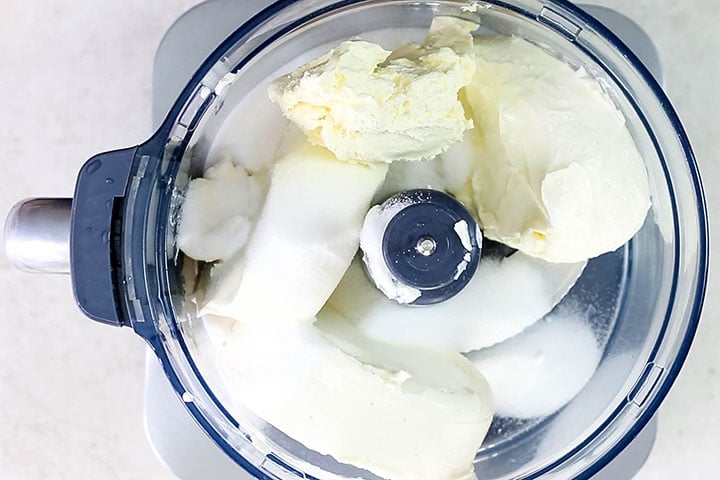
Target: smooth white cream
x=557, y=174
x=306, y=235
x=403, y=413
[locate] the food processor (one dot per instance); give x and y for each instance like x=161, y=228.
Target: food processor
x=126, y=270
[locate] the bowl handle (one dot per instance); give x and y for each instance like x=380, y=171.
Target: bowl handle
x=95, y=234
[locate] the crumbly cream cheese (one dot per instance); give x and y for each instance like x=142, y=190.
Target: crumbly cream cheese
x=557, y=174
x=366, y=104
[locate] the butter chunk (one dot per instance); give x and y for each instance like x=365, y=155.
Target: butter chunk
x=366, y=104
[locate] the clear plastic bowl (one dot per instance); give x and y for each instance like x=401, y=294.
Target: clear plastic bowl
x=646, y=296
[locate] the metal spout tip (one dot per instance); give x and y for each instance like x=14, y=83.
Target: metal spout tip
x=37, y=235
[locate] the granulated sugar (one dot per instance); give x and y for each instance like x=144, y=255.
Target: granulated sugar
x=537, y=372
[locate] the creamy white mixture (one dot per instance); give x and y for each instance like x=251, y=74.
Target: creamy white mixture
x=376, y=384
x=560, y=178
x=218, y=212
x=401, y=412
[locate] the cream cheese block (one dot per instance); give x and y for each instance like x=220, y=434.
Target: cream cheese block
x=401, y=413
x=557, y=174
x=305, y=238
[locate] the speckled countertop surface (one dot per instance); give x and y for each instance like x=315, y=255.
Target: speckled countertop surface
x=75, y=79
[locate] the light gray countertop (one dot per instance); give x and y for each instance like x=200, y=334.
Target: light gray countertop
x=75, y=79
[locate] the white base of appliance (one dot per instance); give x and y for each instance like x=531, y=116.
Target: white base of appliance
x=177, y=440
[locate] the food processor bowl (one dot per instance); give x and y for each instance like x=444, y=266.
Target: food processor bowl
x=644, y=299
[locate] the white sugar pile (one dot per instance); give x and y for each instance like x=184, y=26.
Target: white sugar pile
x=536, y=373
